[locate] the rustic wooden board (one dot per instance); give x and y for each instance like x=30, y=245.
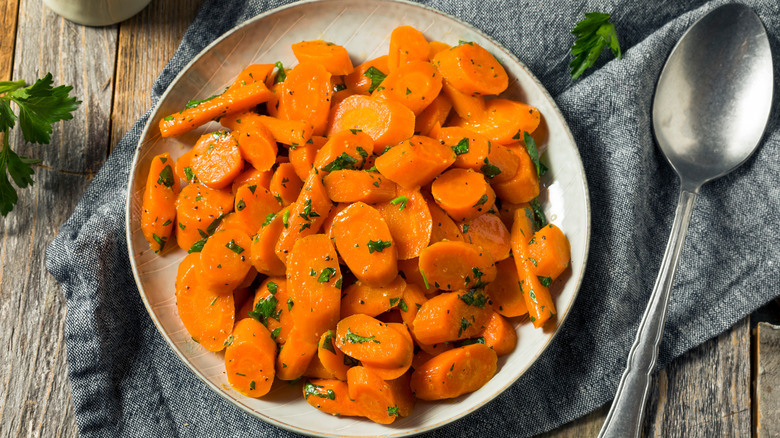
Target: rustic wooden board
x=767, y=375
x=8, y=15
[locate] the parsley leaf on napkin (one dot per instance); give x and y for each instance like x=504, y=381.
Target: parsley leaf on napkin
x=594, y=33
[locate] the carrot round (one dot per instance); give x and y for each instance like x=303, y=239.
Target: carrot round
x=364, y=241
x=358, y=186
x=524, y=185
x=158, y=210
x=251, y=176
x=415, y=162
x=488, y=232
x=372, y=301
x=344, y=150
x=224, y=260
x=332, y=57
x=472, y=69
x=504, y=121
x=463, y=193
x=451, y=316
x=541, y=307
x=407, y=44
x=393, y=373
x=271, y=307
x=262, y=252
x=306, y=95
x=437, y=46
x=250, y=358
x=444, y=228
x=184, y=167
x=285, y=184
x=255, y=142
x=414, y=84
x=413, y=298
x=254, y=73
x=368, y=76
x=333, y=359
x=376, y=397
x=436, y=112
x=306, y=216
x=474, y=151
x=373, y=342
x=387, y=122
x=332, y=397
x=466, y=106
x=302, y=156
x=199, y=210
x=454, y=373
x=505, y=291
x=217, y=159
x=452, y=265
x=290, y=132
x=551, y=251
x=410, y=271
x=410, y=222
x=295, y=356
x=252, y=205
x=499, y=335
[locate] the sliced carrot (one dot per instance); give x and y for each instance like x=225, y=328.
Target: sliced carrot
x=158, y=210
x=506, y=211
x=499, y=335
x=402, y=393
x=434, y=349
x=463, y=193
x=407, y=44
x=377, y=398
x=249, y=359
x=524, y=185
x=474, y=151
x=302, y=156
x=504, y=120
x=452, y=316
x=415, y=84
x=410, y=222
x=363, y=240
x=437, y=112
x=386, y=122
x=243, y=311
x=331, y=358
x=285, y=184
x=366, y=77
x=551, y=251
x=437, y=46
x=505, y=291
x=393, y=373
x=488, y=232
x=272, y=105
x=207, y=315
x=252, y=176
x=306, y=216
x=410, y=271
x=332, y=397
x=317, y=370
x=444, y=228
x=327, y=225
x=420, y=358
x=252, y=205
x=467, y=107
x=271, y=307
x=372, y=301
x=344, y=150
x=198, y=212
x=332, y=57
x=541, y=307
x=415, y=162
x=306, y=95
x=413, y=298
x=184, y=167
x=358, y=186
x=456, y=265
x=217, y=159
x=373, y=342
x=290, y=132
x=472, y=69
x=224, y=260
x=262, y=252
x=454, y=373
x=254, y=73
x=295, y=356
x=255, y=141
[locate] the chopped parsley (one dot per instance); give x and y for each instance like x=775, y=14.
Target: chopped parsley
x=474, y=297
x=233, y=246
x=402, y=200
x=378, y=245
x=545, y=281
x=464, y=324
x=376, y=77
x=343, y=161
x=166, y=176
x=462, y=147
x=315, y=390
x=194, y=103
x=326, y=275
x=265, y=309
x=357, y=339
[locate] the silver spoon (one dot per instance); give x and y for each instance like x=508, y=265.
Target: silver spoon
x=711, y=107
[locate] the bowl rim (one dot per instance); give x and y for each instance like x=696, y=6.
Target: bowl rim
x=562, y=316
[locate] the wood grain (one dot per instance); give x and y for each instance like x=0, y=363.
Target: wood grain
x=767, y=401
x=146, y=43
x=8, y=15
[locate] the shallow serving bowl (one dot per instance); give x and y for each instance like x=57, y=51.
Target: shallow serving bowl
x=363, y=27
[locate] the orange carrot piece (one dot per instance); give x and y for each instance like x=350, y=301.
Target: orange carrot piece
x=217, y=159
x=372, y=301
x=243, y=311
x=454, y=373
x=410, y=271
x=387, y=122
x=363, y=240
x=504, y=121
x=402, y=393
x=376, y=397
x=251, y=176
x=271, y=307
x=472, y=69
x=344, y=150
x=456, y=265
x=444, y=228
x=306, y=216
x=499, y=335
x=198, y=212
x=252, y=205
x=332, y=57
x=410, y=222
x=363, y=79
x=541, y=307
x=506, y=211
x=285, y=184
x=184, y=167
x=551, y=250
x=467, y=107
x=415, y=162
x=240, y=297
x=413, y=298
x=505, y=292
x=524, y=185
x=262, y=252
x=437, y=46
x=224, y=260
x=159, y=205
x=333, y=359
x=290, y=132
x=253, y=73
x=332, y=397
x=474, y=151
x=388, y=374
x=415, y=84
x=302, y=156
x=256, y=143
x=437, y=112
x=358, y=186
x=306, y=95
x=249, y=359
x=208, y=316
x=327, y=224
x=295, y=355
x=452, y=316
x=463, y=194
x=317, y=370
x=407, y=44
x=373, y=342
x=487, y=231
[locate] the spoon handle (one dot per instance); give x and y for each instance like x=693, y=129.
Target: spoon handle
x=625, y=416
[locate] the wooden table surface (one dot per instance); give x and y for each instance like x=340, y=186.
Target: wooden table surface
x=705, y=393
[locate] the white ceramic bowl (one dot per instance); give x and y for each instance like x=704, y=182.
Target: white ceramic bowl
x=363, y=27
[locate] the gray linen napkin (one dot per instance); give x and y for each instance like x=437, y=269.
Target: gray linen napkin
x=127, y=382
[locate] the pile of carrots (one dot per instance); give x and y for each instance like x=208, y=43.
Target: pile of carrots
x=371, y=230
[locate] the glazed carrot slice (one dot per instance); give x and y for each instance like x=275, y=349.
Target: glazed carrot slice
x=251, y=176
x=402, y=393
x=302, y=156
x=285, y=184
x=240, y=297
x=373, y=342
x=271, y=307
x=199, y=210
x=456, y=265
x=332, y=57
x=306, y=216
x=413, y=298
x=207, y=315
x=184, y=167
x=444, y=228
x=551, y=250
x=415, y=162
x=344, y=150
x=472, y=69
x=217, y=159
x=363, y=240
x=254, y=73
x=333, y=359
x=524, y=185
x=437, y=112
x=505, y=291
x=358, y=186
x=387, y=122
x=224, y=260
x=368, y=76
x=415, y=84
x=372, y=301
x=388, y=374
x=437, y=46
x=252, y=205
x=158, y=210
x=306, y=95
x=499, y=335
x=506, y=211
x=504, y=120
x=537, y=296
x=488, y=232
x=451, y=316
x=454, y=373
x=332, y=397
x=410, y=222
x=250, y=358
x=467, y=107
x=295, y=355
x=262, y=252
x=407, y=44
x=327, y=224
x=410, y=271
x=463, y=193
x=256, y=143
x=317, y=370
x=290, y=132
x=474, y=151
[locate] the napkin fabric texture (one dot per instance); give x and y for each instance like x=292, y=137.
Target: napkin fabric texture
x=126, y=381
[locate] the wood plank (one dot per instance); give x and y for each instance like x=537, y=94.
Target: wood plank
x=767, y=374
x=146, y=43
x=8, y=14
x=34, y=389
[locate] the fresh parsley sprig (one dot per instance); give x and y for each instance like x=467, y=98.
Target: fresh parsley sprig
x=594, y=33
x=40, y=106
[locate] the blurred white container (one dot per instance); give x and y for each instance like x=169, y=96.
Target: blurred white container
x=96, y=12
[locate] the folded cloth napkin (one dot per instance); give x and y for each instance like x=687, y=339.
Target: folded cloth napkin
x=126, y=381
